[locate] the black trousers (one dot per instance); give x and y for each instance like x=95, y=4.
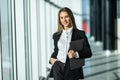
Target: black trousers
x=63, y=72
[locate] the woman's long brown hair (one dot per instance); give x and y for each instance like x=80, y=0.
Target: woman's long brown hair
x=65, y=9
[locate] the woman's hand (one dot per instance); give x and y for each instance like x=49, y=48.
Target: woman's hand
x=53, y=60
x=71, y=54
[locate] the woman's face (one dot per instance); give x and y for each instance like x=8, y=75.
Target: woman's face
x=65, y=19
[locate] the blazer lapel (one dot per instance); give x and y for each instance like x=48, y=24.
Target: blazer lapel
x=58, y=35
x=73, y=35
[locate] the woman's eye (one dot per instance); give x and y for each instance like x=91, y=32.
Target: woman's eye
x=61, y=17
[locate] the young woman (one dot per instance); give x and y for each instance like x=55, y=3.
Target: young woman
x=60, y=58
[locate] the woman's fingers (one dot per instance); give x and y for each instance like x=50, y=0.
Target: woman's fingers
x=53, y=60
x=71, y=54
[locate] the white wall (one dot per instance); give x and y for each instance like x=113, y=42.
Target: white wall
x=77, y=7
x=34, y=49
x=20, y=40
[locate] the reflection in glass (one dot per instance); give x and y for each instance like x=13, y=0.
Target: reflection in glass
x=7, y=70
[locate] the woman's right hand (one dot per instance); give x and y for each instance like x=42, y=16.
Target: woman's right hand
x=53, y=60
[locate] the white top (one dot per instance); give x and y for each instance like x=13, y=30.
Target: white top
x=64, y=44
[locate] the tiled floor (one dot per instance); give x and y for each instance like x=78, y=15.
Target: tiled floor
x=103, y=65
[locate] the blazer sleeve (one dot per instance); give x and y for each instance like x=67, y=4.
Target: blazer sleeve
x=54, y=54
x=55, y=50
x=86, y=51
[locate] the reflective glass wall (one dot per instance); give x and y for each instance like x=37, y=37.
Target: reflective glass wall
x=26, y=29
x=6, y=51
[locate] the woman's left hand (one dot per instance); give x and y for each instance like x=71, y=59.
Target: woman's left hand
x=71, y=54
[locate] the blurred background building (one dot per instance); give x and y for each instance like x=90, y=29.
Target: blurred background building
x=26, y=28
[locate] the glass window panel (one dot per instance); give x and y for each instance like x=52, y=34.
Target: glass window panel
x=6, y=41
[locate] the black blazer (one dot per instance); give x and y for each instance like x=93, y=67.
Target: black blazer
x=85, y=53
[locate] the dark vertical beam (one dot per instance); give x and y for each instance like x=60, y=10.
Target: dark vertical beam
x=92, y=13
x=109, y=30
x=97, y=20
x=103, y=19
